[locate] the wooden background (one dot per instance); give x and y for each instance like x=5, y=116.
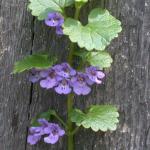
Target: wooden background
x=127, y=84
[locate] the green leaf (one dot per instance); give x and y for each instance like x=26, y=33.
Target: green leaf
x=100, y=59
x=40, y=8
x=82, y=54
x=38, y=61
x=45, y=115
x=98, y=117
x=97, y=34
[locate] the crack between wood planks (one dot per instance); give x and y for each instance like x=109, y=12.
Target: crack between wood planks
x=31, y=86
x=147, y=137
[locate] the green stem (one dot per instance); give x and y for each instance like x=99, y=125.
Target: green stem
x=77, y=13
x=75, y=130
x=62, y=122
x=69, y=122
x=71, y=96
x=72, y=45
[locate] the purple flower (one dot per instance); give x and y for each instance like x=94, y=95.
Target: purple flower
x=51, y=131
x=80, y=84
x=63, y=87
x=37, y=132
x=63, y=78
x=54, y=19
x=35, y=135
x=34, y=76
x=54, y=133
x=33, y=139
x=65, y=70
x=51, y=79
x=95, y=74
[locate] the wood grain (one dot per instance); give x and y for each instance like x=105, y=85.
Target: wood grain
x=127, y=84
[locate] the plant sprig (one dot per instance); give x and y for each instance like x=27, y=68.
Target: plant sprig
x=87, y=42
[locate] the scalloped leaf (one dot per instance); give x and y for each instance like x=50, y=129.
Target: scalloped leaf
x=98, y=117
x=38, y=61
x=40, y=8
x=100, y=59
x=97, y=34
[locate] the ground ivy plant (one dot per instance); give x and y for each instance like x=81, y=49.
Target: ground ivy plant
x=87, y=45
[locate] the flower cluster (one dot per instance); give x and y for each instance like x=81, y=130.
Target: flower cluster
x=55, y=20
x=65, y=79
x=49, y=131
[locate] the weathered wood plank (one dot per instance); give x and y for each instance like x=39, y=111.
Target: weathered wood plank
x=127, y=84
x=15, y=42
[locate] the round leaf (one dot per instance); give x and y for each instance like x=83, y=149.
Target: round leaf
x=40, y=8
x=97, y=34
x=100, y=59
x=99, y=117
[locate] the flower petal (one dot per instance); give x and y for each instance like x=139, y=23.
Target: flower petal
x=85, y=90
x=32, y=139
x=44, y=73
x=51, y=139
x=43, y=122
x=100, y=74
x=48, y=83
x=61, y=132
x=34, y=78
x=63, y=89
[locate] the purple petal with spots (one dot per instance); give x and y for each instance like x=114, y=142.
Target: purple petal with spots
x=34, y=76
x=79, y=84
x=65, y=70
x=94, y=74
x=84, y=90
x=63, y=87
x=55, y=133
x=52, y=132
x=54, y=19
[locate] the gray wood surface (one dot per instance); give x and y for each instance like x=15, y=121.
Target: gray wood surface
x=127, y=84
